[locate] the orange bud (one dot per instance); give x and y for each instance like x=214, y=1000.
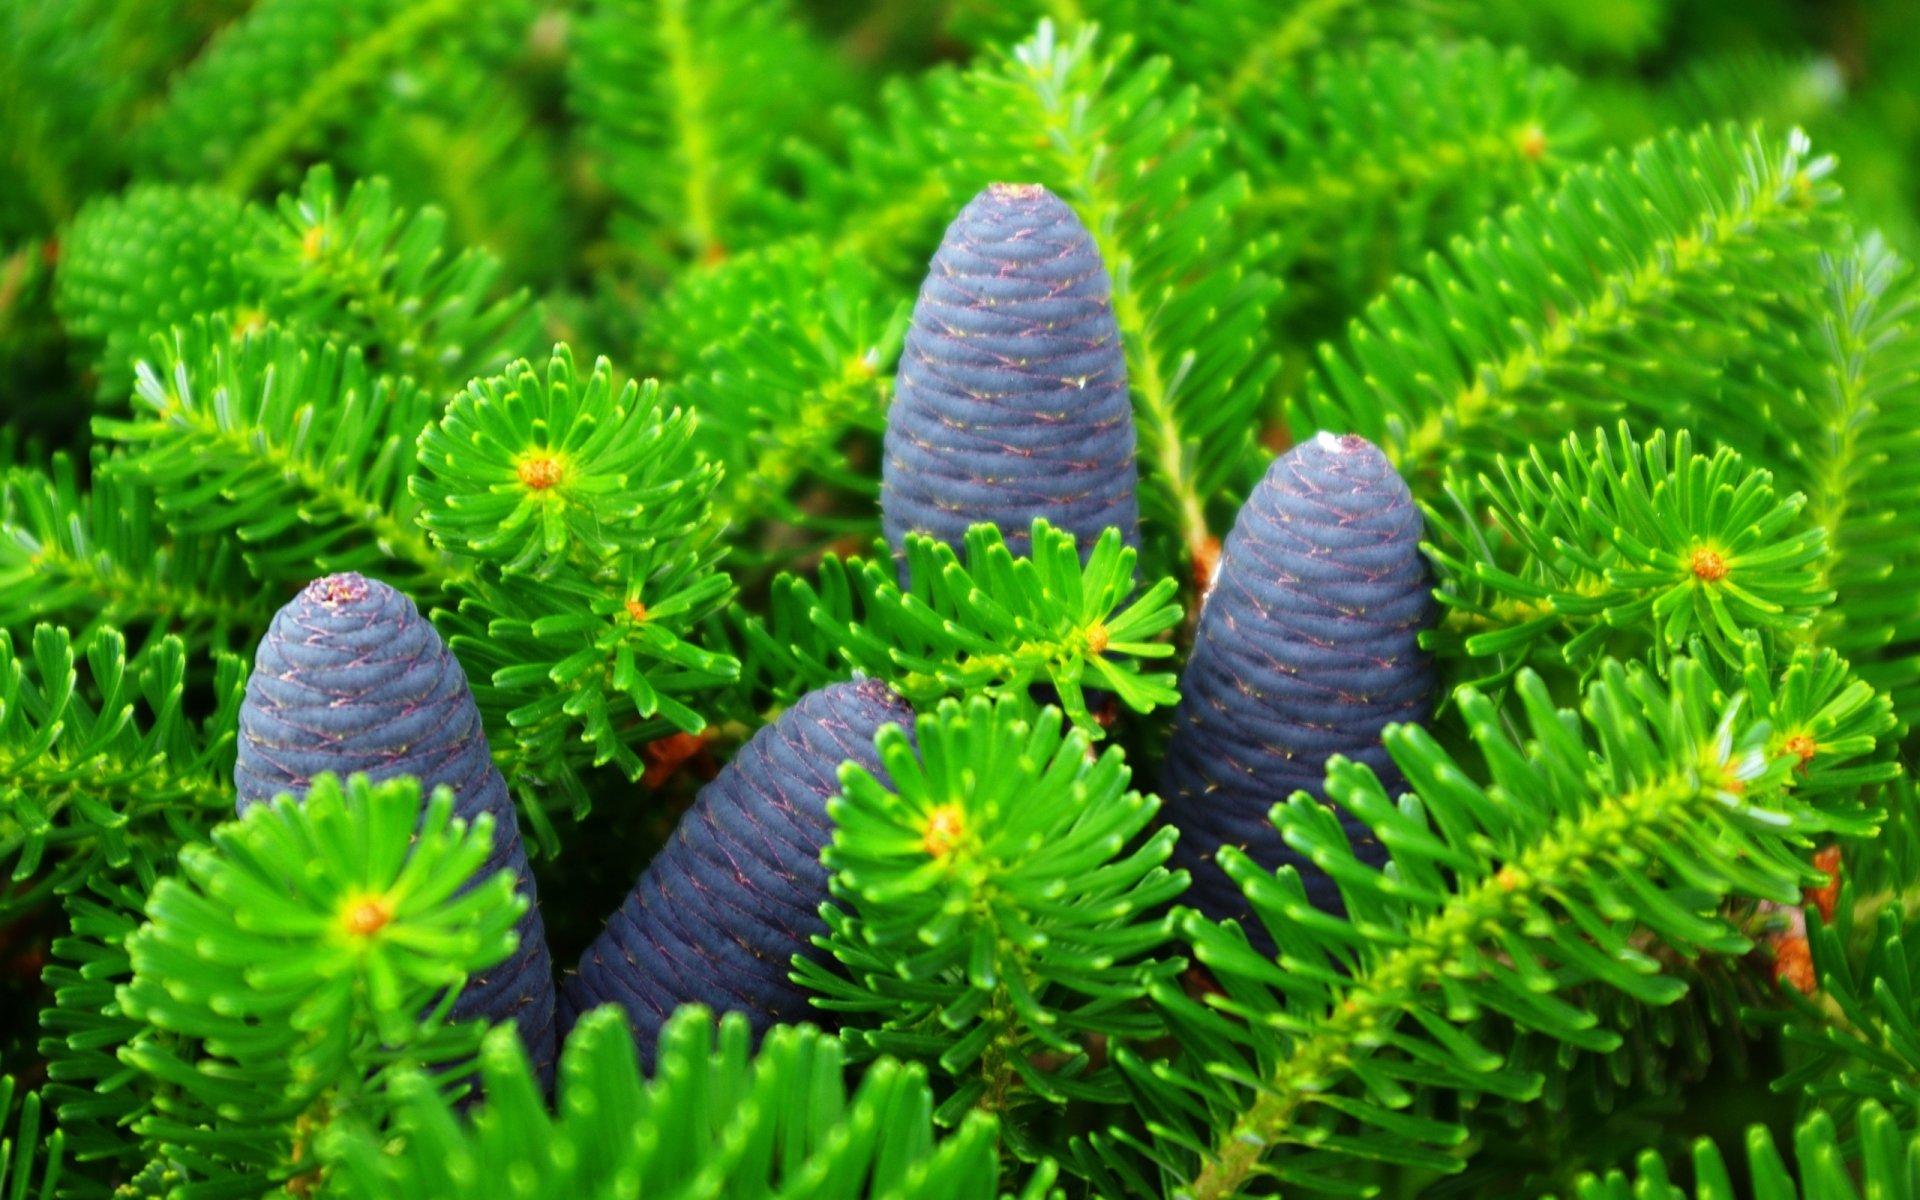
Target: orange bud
x=1824, y=897
x=1802, y=747
x=369, y=916
x=666, y=756
x=1206, y=563
x=540, y=472
x=1708, y=566
x=945, y=827
x=1793, y=962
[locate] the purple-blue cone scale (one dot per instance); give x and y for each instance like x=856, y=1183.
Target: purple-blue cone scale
x=351, y=678
x=1011, y=401
x=1306, y=648
x=735, y=893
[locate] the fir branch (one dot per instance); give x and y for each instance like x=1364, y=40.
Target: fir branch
x=1596, y=297
x=449, y=134
x=1762, y=87
x=374, y=275
x=300, y=957
x=22, y=1151
x=361, y=269
x=580, y=515
x=880, y=191
x=1394, y=121
x=1825, y=720
x=305, y=450
x=1190, y=308
x=1387, y=150
x=1880, y=1157
x=779, y=1122
x=1236, y=49
x=1582, y=557
x=996, y=625
x=570, y=671
x=97, y=558
x=685, y=104
x=1856, y=1027
x=1824, y=724
x=1850, y=1017
x=968, y=946
x=154, y=256
x=328, y=89
x=276, y=78
x=1496, y=898
x=39, y=138
x=789, y=353
x=1852, y=440
x=95, y=1095
x=1594, y=1106
x=1268, y=55
x=691, y=140
x=86, y=789
x=534, y=472
x=1574, y=29
x=1861, y=322
x=1884, y=870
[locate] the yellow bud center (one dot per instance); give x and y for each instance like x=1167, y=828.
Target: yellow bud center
x=945, y=827
x=1708, y=566
x=541, y=471
x=367, y=916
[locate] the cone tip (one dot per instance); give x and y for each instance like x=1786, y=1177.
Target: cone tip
x=346, y=587
x=1342, y=443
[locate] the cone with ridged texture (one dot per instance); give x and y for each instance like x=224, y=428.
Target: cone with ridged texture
x=350, y=678
x=735, y=893
x=1306, y=648
x=1011, y=401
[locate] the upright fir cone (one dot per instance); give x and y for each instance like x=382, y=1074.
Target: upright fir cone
x=1011, y=401
x=350, y=678
x=735, y=893
x=1306, y=648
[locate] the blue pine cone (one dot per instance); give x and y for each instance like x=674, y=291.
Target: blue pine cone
x=1306, y=648
x=1011, y=401
x=735, y=893
x=350, y=678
